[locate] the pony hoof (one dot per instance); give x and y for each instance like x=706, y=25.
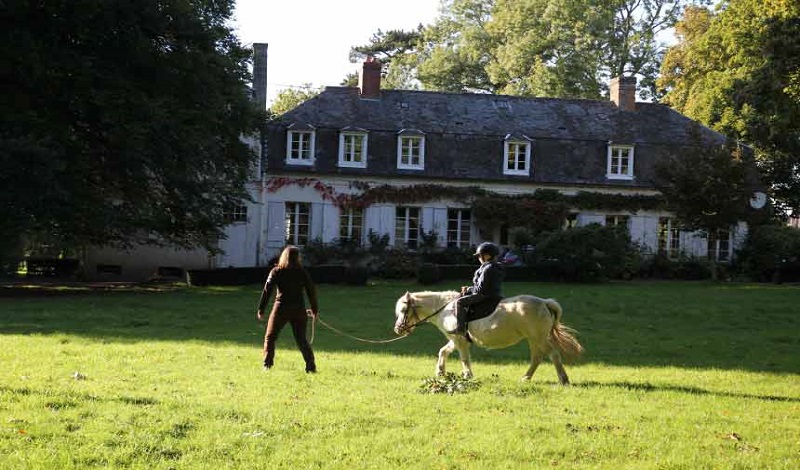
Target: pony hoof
x=525, y=378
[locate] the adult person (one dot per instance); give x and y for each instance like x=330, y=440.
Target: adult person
x=290, y=279
x=485, y=291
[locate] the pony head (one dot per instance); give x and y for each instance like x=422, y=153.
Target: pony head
x=405, y=314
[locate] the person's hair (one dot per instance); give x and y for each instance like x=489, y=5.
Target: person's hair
x=290, y=258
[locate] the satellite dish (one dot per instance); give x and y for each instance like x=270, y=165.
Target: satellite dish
x=758, y=200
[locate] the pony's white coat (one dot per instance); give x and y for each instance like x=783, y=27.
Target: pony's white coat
x=516, y=318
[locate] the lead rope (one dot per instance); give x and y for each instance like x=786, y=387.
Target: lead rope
x=342, y=333
x=373, y=341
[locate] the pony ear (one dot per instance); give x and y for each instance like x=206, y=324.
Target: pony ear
x=407, y=295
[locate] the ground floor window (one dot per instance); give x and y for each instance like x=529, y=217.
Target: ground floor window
x=669, y=237
x=459, y=223
x=351, y=225
x=618, y=220
x=237, y=213
x=719, y=245
x=297, y=223
x=407, y=227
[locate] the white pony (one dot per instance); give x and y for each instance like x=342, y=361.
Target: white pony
x=516, y=318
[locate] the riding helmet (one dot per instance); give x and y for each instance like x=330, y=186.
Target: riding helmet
x=487, y=248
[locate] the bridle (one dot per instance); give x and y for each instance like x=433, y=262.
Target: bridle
x=411, y=307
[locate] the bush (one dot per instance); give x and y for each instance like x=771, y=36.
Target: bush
x=428, y=273
x=396, y=264
x=585, y=254
x=356, y=275
x=770, y=252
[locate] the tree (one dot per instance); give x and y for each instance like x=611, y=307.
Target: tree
x=707, y=187
x=737, y=70
x=554, y=48
x=121, y=122
x=290, y=98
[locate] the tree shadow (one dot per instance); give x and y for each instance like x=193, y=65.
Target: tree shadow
x=688, y=325
x=650, y=388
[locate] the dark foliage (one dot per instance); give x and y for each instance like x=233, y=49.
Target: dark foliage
x=121, y=122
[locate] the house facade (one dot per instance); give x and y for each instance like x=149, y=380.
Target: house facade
x=321, y=159
x=355, y=161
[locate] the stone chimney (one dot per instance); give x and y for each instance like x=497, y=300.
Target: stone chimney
x=369, y=80
x=260, y=75
x=623, y=92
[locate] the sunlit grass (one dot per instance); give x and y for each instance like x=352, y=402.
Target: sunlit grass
x=675, y=376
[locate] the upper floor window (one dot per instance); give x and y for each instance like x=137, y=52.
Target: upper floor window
x=669, y=237
x=516, y=156
x=351, y=225
x=300, y=147
x=407, y=227
x=620, y=162
x=458, y=228
x=297, y=222
x=411, y=152
x=353, y=149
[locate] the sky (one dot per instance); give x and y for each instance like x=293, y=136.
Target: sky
x=310, y=40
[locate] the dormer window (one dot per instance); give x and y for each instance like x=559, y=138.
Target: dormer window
x=620, y=162
x=410, y=151
x=353, y=148
x=300, y=147
x=517, y=156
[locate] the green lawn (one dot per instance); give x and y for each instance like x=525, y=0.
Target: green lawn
x=675, y=375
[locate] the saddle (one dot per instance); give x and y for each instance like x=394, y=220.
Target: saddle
x=481, y=309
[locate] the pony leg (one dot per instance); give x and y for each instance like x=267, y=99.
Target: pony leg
x=555, y=356
x=463, y=351
x=536, y=359
x=446, y=350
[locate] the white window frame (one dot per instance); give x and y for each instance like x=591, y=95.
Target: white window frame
x=348, y=149
x=236, y=214
x=459, y=236
x=669, y=238
x=511, y=145
x=348, y=228
x=403, y=232
x=410, y=142
x=614, y=158
x=292, y=225
x=618, y=219
x=720, y=244
x=305, y=154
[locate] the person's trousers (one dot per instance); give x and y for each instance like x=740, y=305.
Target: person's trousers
x=297, y=319
x=462, y=305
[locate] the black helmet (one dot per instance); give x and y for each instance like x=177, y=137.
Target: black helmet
x=487, y=248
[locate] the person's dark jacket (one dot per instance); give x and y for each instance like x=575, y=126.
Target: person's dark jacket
x=290, y=284
x=487, y=280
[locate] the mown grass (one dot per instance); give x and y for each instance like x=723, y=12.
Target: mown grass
x=676, y=375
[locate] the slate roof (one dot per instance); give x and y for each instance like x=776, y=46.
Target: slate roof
x=569, y=135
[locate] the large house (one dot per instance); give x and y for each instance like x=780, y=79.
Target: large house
x=328, y=152
x=335, y=146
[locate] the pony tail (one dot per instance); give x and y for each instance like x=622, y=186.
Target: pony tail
x=562, y=336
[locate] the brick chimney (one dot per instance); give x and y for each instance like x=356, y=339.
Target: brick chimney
x=369, y=80
x=623, y=92
x=260, y=75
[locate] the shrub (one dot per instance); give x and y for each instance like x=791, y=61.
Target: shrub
x=428, y=273
x=770, y=251
x=356, y=275
x=397, y=264
x=585, y=254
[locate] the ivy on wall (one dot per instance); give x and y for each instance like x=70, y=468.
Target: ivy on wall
x=544, y=209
